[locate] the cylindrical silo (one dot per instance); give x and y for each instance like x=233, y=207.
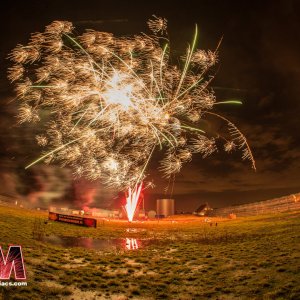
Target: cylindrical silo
x=165, y=207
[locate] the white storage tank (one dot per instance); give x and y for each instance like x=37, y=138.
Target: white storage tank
x=165, y=207
x=151, y=214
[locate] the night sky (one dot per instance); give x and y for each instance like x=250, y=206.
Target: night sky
x=259, y=63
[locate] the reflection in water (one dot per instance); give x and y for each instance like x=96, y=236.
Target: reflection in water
x=97, y=244
x=131, y=244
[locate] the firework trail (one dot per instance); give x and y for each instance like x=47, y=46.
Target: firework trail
x=113, y=100
x=132, y=201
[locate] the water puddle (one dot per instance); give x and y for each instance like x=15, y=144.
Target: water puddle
x=99, y=244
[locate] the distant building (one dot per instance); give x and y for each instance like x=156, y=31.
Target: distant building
x=202, y=210
x=103, y=213
x=141, y=213
x=94, y=212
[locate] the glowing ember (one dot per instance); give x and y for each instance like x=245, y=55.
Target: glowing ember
x=132, y=201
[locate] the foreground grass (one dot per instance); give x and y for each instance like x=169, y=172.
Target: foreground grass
x=247, y=258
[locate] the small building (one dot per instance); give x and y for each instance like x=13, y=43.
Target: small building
x=141, y=213
x=103, y=213
x=65, y=209
x=202, y=210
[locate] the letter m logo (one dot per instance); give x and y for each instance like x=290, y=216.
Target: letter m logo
x=13, y=261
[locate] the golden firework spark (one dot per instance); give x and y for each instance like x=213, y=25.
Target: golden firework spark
x=113, y=100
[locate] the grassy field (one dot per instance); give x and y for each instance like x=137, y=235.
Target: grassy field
x=246, y=258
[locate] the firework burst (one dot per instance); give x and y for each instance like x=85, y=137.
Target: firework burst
x=114, y=100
